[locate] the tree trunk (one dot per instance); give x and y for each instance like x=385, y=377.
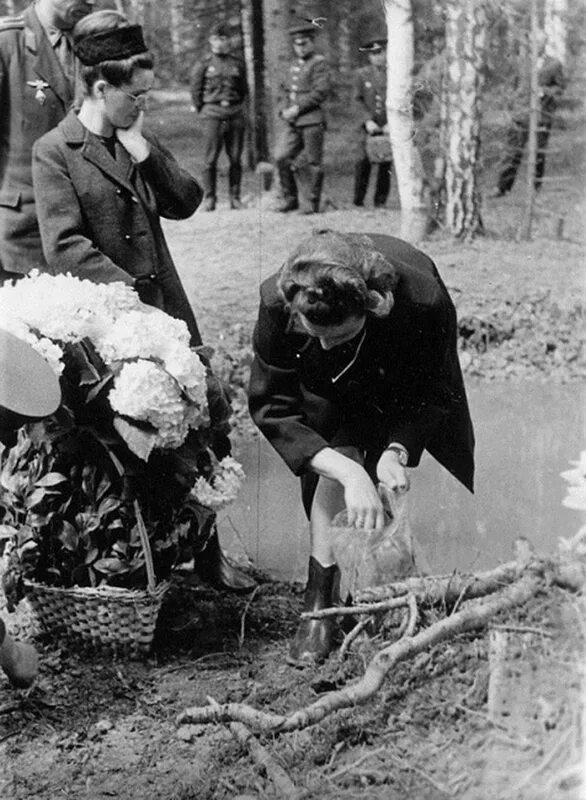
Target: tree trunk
x=251, y=15
x=406, y=157
x=525, y=230
x=276, y=15
x=175, y=28
x=466, y=25
x=556, y=29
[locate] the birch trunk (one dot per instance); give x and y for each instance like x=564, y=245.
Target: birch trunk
x=175, y=27
x=276, y=15
x=466, y=25
x=556, y=29
x=406, y=157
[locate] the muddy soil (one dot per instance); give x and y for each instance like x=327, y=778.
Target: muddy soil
x=93, y=727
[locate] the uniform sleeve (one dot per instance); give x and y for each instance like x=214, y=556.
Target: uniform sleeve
x=65, y=239
x=320, y=88
x=177, y=192
x=197, y=82
x=275, y=397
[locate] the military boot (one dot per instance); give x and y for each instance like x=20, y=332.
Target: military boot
x=208, y=180
x=290, y=200
x=361, y=176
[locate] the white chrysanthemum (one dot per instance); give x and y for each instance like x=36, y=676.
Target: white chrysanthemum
x=224, y=486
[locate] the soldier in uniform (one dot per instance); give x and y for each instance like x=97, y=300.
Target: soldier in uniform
x=219, y=90
x=37, y=84
x=307, y=88
x=370, y=90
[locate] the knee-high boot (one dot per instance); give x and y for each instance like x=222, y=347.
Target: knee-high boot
x=213, y=566
x=314, y=638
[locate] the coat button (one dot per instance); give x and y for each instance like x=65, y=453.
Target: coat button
x=133, y=198
x=127, y=236
x=119, y=192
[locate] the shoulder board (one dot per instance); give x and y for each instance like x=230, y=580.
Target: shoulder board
x=12, y=23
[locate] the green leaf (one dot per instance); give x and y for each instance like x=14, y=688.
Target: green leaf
x=92, y=555
x=69, y=537
x=51, y=479
x=108, y=505
x=7, y=531
x=111, y=566
x=141, y=443
x=35, y=498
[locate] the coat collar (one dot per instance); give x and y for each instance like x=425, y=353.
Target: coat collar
x=119, y=169
x=46, y=64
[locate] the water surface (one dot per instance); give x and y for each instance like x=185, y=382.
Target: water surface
x=526, y=435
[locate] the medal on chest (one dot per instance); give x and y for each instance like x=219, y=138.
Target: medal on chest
x=40, y=87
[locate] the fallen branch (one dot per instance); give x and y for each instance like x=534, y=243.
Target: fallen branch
x=358, y=610
x=283, y=784
x=473, y=615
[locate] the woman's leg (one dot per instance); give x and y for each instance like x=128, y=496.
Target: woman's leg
x=314, y=638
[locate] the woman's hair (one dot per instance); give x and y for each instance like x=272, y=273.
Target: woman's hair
x=332, y=276
x=115, y=71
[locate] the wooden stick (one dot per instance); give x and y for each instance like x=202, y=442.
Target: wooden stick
x=473, y=615
x=351, y=611
x=283, y=784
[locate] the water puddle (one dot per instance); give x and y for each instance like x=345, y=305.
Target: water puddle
x=526, y=435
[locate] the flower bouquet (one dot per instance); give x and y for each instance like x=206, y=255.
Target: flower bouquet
x=108, y=495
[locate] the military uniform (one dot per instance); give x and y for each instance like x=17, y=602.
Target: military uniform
x=370, y=90
x=218, y=90
x=307, y=87
x=551, y=83
x=34, y=97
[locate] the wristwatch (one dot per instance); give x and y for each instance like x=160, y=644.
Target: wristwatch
x=401, y=452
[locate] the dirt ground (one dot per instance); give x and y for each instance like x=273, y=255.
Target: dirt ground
x=93, y=727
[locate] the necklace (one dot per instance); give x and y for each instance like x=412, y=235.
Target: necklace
x=354, y=357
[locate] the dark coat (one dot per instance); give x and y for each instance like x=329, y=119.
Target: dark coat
x=308, y=87
x=370, y=92
x=218, y=86
x=100, y=217
x=405, y=386
x=34, y=97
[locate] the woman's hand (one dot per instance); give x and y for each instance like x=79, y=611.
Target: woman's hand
x=363, y=504
x=391, y=473
x=133, y=141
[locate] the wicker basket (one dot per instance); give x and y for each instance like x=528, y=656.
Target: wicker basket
x=107, y=618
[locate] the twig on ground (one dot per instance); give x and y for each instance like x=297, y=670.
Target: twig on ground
x=521, y=629
x=413, y=616
x=243, y=617
x=283, y=784
x=350, y=767
x=354, y=611
x=351, y=636
x=412, y=768
x=474, y=615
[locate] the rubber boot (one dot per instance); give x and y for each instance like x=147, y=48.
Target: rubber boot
x=19, y=661
x=213, y=566
x=314, y=639
x=361, y=176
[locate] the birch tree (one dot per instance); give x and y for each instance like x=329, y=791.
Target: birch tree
x=276, y=16
x=556, y=29
x=465, y=52
x=407, y=160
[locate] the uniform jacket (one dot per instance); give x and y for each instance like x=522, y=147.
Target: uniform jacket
x=34, y=97
x=370, y=91
x=100, y=217
x=307, y=86
x=405, y=385
x=218, y=86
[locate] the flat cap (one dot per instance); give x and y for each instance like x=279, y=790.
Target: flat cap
x=220, y=29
